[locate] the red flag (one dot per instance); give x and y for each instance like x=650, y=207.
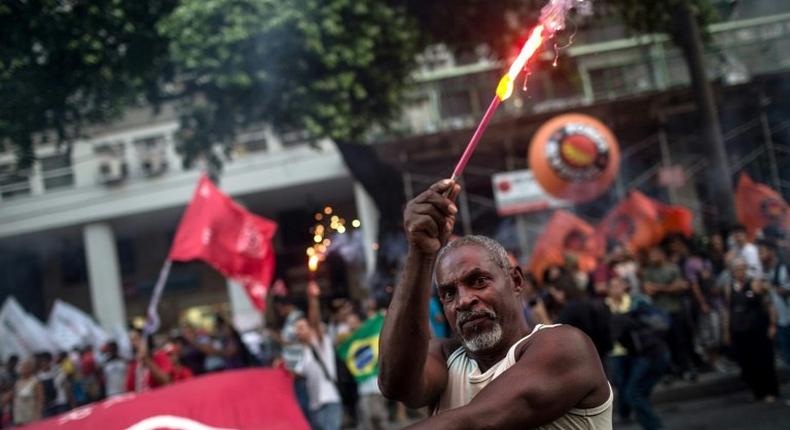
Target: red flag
x=758, y=206
x=260, y=399
x=565, y=234
x=218, y=231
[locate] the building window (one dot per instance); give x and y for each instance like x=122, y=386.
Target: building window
x=57, y=172
x=620, y=80
x=151, y=151
x=13, y=182
x=456, y=104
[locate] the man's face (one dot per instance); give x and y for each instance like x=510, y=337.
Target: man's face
x=766, y=254
x=739, y=270
x=656, y=256
x=135, y=340
x=617, y=287
x=739, y=237
x=302, y=330
x=478, y=297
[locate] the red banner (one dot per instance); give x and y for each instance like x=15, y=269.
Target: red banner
x=565, y=234
x=758, y=206
x=215, y=229
x=243, y=399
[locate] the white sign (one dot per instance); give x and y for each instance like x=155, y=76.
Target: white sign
x=518, y=192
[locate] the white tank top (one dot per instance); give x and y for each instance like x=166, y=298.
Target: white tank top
x=464, y=381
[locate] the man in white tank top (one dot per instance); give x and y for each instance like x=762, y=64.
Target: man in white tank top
x=496, y=373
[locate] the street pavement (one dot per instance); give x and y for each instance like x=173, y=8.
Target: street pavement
x=733, y=411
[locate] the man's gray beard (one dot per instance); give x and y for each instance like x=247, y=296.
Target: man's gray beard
x=485, y=340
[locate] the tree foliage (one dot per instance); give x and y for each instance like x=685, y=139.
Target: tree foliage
x=64, y=64
x=332, y=68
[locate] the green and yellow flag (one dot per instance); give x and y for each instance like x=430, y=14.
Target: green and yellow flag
x=360, y=351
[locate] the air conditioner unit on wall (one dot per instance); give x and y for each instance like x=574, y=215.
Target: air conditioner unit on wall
x=112, y=170
x=153, y=163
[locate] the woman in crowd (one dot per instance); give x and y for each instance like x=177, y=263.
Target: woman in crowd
x=28, y=394
x=751, y=329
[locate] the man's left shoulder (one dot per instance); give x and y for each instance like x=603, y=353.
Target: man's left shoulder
x=559, y=341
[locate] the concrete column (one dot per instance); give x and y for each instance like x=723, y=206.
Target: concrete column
x=104, y=276
x=369, y=217
x=37, y=179
x=245, y=316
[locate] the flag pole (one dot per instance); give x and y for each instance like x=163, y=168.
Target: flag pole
x=152, y=322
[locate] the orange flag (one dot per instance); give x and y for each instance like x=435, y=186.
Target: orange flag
x=639, y=222
x=758, y=206
x=675, y=219
x=565, y=234
x=632, y=223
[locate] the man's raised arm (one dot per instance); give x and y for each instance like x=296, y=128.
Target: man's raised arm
x=412, y=369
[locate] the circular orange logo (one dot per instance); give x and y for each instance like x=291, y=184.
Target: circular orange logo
x=574, y=157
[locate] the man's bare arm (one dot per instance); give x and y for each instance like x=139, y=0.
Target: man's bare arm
x=559, y=372
x=412, y=368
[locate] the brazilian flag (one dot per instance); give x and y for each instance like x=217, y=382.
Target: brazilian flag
x=360, y=351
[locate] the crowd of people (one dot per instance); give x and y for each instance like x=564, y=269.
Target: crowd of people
x=42, y=386
x=712, y=304
x=666, y=313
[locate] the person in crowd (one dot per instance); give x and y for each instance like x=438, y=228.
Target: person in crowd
x=439, y=327
x=664, y=284
x=227, y=349
x=318, y=366
x=9, y=374
x=114, y=371
x=588, y=315
x=600, y=277
x=717, y=252
x=641, y=331
x=625, y=266
x=535, y=311
x=90, y=374
x=619, y=302
x=497, y=373
x=149, y=369
x=579, y=276
x=338, y=328
x=28, y=402
x=343, y=321
x=373, y=411
x=191, y=356
x=751, y=327
x=292, y=350
x=178, y=372
x=55, y=385
x=746, y=250
x=777, y=277
x=8, y=377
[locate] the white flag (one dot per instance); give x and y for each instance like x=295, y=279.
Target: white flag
x=72, y=327
x=22, y=334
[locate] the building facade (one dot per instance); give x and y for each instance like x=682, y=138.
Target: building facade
x=93, y=225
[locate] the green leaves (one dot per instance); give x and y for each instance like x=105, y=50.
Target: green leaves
x=329, y=67
x=66, y=64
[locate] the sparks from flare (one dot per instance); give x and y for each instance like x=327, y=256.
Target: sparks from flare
x=552, y=20
x=503, y=91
